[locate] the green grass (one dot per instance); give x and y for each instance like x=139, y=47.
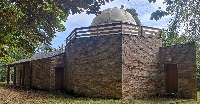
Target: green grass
x=1, y=84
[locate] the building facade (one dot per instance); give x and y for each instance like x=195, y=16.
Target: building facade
x=114, y=58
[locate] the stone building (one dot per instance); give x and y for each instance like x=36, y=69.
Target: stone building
x=115, y=58
x=42, y=71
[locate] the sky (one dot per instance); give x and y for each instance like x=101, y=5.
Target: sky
x=143, y=8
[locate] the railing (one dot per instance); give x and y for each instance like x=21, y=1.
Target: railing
x=114, y=28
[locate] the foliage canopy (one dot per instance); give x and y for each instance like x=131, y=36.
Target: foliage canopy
x=25, y=23
x=185, y=17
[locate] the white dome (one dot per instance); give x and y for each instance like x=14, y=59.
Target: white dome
x=111, y=15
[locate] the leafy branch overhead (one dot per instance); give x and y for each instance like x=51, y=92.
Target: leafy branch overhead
x=158, y=14
x=25, y=23
x=185, y=17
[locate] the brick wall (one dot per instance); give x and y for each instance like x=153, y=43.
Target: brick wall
x=185, y=58
x=93, y=66
x=140, y=66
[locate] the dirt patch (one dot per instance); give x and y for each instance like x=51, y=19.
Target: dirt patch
x=17, y=95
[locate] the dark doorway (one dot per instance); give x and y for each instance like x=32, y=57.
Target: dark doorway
x=171, y=78
x=59, y=78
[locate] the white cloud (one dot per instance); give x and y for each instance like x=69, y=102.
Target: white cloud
x=74, y=21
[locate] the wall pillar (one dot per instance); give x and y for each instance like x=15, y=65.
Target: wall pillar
x=14, y=79
x=8, y=75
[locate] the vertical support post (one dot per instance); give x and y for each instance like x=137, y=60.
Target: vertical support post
x=141, y=30
x=8, y=75
x=14, y=79
x=97, y=30
x=75, y=32
x=30, y=74
x=121, y=26
x=160, y=34
x=23, y=75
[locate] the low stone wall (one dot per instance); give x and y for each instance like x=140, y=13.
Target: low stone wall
x=93, y=66
x=140, y=66
x=185, y=58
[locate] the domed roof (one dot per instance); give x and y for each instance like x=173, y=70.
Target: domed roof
x=111, y=15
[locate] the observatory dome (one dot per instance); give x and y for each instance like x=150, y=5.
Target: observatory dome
x=112, y=15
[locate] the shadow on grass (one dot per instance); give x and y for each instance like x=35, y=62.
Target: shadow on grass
x=64, y=97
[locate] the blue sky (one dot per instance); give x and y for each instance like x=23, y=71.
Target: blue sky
x=143, y=8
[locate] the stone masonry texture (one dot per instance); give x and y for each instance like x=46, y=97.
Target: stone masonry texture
x=139, y=66
x=93, y=66
x=115, y=66
x=43, y=72
x=26, y=73
x=127, y=66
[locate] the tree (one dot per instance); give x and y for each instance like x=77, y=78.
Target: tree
x=186, y=16
x=43, y=48
x=172, y=38
x=184, y=26
x=25, y=23
x=134, y=14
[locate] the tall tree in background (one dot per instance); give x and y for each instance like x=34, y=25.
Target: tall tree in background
x=134, y=14
x=185, y=17
x=25, y=23
x=184, y=26
x=43, y=48
x=172, y=38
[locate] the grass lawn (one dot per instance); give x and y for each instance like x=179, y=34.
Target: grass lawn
x=16, y=96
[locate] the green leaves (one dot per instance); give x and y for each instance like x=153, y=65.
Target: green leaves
x=171, y=38
x=185, y=17
x=24, y=24
x=134, y=14
x=158, y=15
